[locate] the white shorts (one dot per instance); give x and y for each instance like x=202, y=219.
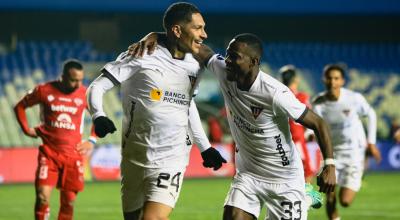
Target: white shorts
x=349, y=175
x=283, y=200
x=140, y=184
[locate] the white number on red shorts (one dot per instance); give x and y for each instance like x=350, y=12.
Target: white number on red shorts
x=43, y=172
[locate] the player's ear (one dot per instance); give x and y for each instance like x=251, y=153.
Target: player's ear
x=176, y=29
x=254, y=61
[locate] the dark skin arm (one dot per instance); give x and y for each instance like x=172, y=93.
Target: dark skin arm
x=327, y=179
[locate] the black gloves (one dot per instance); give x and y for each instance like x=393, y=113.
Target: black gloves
x=212, y=158
x=103, y=126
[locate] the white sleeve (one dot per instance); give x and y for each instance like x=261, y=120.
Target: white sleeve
x=364, y=109
x=199, y=136
x=95, y=94
x=285, y=103
x=216, y=64
x=121, y=69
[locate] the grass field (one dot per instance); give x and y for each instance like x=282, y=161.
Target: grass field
x=200, y=199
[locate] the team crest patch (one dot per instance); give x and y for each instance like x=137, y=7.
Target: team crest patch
x=346, y=112
x=78, y=101
x=50, y=98
x=155, y=94
x=256, y=111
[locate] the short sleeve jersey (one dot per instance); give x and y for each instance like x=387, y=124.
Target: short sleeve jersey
x=258, y=120
x=343, y=117
x=156, y=93
x=61, y=116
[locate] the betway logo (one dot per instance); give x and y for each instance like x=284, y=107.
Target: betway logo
x=63, y=108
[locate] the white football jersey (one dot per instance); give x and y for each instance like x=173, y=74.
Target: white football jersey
x=343, y=117
x=156, y=93
x=259, y=123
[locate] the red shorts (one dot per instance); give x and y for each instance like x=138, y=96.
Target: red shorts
x=305, y=158
x=55, y=169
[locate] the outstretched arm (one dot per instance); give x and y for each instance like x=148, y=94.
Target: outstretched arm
x=211, y=157
x=327, y=179
x=95, y=93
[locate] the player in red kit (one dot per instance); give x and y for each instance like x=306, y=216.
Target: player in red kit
x=289, y=78
x=60, y=162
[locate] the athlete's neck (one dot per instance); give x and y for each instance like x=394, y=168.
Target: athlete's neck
x=63, y=87
x=247, y=80
x=293, y=87
x=173, y=47
x=333, y=94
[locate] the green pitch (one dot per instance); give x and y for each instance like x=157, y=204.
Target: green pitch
x=200, y=199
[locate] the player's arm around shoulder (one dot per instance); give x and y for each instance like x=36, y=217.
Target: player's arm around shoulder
x=150, y=41
x=204, y=55
x=327, y=178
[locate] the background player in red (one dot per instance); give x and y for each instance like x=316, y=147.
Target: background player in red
x=60, y=162
x=291, y=80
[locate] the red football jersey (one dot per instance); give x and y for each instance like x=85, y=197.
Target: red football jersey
x=297, y=129
x=61, y=116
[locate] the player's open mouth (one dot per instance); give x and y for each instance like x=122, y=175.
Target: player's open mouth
x=198, y=42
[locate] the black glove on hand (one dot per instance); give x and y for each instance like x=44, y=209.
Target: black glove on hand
x=212, y=158
x=103, y=126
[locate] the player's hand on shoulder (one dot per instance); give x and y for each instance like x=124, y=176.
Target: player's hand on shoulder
x=327, y=179
x=148, y=42
x=212, y=158
x=103, y=126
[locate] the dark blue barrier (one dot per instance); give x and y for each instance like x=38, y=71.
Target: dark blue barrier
x=390, y=157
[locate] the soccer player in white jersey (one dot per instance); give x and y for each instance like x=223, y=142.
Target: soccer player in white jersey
x=269, y=169
x=342, y=108
x=157, y=110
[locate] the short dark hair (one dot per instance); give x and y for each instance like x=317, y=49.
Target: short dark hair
x=252, y=41
x=288, y=73
x=179, y=12
x=335, y=66
x=71, y=64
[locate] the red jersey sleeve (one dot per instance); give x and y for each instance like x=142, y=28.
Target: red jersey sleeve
x=30, y=99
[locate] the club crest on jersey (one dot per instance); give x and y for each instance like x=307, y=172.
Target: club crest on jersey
x=50, y=98
x=155, y=94
x=346, y=112
x=256, y=111
x=78, y=101
x=192, y=80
